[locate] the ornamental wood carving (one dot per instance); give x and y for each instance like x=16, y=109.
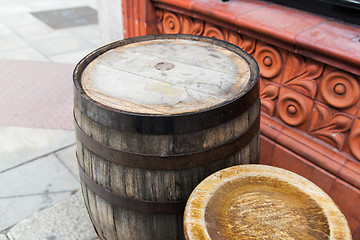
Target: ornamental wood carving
x=300, y=75
x=354, y=139
x=293, y=108
x=246, y=43
x=295, y=89
x=340, y=89
x=212, y=31
x=331, y=128
x=268, y=93
x=173, y=23
x=270, y=61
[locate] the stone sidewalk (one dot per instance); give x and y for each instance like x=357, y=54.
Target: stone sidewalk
x=41, y=196
x=27, y=36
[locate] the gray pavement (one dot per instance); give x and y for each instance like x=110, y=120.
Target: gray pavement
x=19, y=145
x=35, y=185
x=65, y=220
x=25, y=37
x=41, y=196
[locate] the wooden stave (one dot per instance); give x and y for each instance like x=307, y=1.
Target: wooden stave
x=92, y=201
x=166, y=124
x=169, y=144
x=170, y=162
x=93, y=132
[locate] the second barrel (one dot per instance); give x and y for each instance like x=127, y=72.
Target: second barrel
x=154, y=116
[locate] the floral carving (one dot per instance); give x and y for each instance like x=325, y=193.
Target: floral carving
x=270, y=61
x=303, y=79
x=212, y=31
x=293, y=108
x=171, y=23
x=159, y=14
x=354, y=140
x=340, y=89
x=301, y=75
x=329, y=127
x=245, y=43
x=268, y=94
x=190, y=26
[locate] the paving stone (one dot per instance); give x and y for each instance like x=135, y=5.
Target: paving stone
x=90, y=32
x=15, y=209
x=68, y=158
x=71, y=57
x=3, y=237
x=97, y=41
x=35, y=31
x=66, y=220
x=26, y=53
x=4, y=30
x=42, y=176
x=59, y=45
x=14, y=16
x=19, y=145
x=11, y=41
x=46, y=5
x=69, y=17
x=33, y=186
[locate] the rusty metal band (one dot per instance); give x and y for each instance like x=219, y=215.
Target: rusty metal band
x=134, y=204
x=165, y=124
x=173, y=162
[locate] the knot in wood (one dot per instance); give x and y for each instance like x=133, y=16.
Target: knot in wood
x=164, y=66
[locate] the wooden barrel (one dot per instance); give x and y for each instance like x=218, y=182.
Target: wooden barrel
x=262, y=202
x=154, y=116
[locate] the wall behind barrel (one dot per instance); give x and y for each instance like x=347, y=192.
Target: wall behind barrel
x=306, y=63
x=310, y=82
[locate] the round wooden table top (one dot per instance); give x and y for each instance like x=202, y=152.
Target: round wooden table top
x=261, y=202
x=166, y=76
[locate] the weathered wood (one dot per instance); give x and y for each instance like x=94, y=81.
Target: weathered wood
x=261, y=202
x=114, y=222
x=166, y=77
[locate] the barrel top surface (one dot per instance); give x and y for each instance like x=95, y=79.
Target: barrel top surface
x=166, y=76
x=257, y=201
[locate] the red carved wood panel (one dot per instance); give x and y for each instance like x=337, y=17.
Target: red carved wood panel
x=305, y=94
x=310, y=102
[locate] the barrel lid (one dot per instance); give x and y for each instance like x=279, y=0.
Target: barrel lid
x=166, y=84
x=166, y=76
x=261, y=202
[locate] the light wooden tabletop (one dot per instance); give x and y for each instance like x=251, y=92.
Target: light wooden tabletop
x=261, y=202
x=166, y=76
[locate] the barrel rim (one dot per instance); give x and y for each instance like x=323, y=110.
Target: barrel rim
x=196, y=206
x=159, y=123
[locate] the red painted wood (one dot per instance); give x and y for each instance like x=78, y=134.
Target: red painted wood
x=310, y=84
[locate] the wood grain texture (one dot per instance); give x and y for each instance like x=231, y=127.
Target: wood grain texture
x=262, y=202
x=114, y=222
x=166, y=76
